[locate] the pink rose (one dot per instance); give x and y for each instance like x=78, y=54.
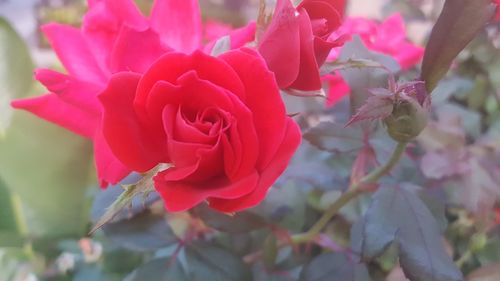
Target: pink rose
x=219, y=121
x=115, y=37
x=297, y=43
x=388, y=37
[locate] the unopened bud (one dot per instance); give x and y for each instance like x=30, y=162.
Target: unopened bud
x=407, y=120
x=478, y=242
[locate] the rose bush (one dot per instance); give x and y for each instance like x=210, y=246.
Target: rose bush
x=219, y=121
x=297, y=41
x=115, y=37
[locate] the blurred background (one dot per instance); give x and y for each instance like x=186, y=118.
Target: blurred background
x=47, y=180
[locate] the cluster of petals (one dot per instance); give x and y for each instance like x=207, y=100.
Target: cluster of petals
x=298, y=40
x=114, y=37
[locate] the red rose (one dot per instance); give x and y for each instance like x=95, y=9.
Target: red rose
x=296, y=43
x=220, y=122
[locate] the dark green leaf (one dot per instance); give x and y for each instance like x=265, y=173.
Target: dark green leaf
x=398, y=215
x=16, y=70
x=457, y=25
x=334, y=267
x=240, y=222
x=335, y=137
x=284, y=206
x=162, y=269
x=362, y=79
x=208, y=263
x=89, y=273
x=143, y=232
x=143, y=187
x=261, y=273
x=104, y=198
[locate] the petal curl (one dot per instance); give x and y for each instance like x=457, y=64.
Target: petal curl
x=280, y=45
x=74, y=53
x=53, y=109
x=263, y=98
x=181, y=196
x=134, y=143
x=267, y=176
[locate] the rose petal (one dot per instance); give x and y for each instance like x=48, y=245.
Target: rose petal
x=74, y=53
x=135, y=50
x=309, y=78
x=53, y=109
x=172, y=65
x=181, y=196
x=109, y=169
x=263, y=99
x=80, y=94
x=280, y=45
x=178, y=23
x=267, y=176
x=133, y=142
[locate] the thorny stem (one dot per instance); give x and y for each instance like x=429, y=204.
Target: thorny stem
x=353, y=191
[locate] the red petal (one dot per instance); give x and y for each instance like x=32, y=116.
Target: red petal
x=74, y=53
x=138, y=146
x=309, y=78
x=180, y=196
x=77, y=93
x=53, y=109
x=109, y=169
x=267, y=177
x=135, y=50
x=263, y=99
x=178, y=23
x=280, y=45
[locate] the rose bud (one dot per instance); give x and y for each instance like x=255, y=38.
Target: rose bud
x=410, y=114
x=296, y=43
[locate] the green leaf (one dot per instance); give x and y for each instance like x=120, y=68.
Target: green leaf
x=360, y=80
x=334, y=266
x=161, y=269
x=89, y=273
x=7, y=211
x=16, y=70
x=209, y=263
x=142, y=188
x=197, y=262
x=398, y=215
x=143, y=232
x=333, y=137
x=240, y=222
x=49, y=169
x=330, y=67
x=458, y=24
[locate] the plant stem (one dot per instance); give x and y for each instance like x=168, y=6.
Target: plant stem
x=353, y=191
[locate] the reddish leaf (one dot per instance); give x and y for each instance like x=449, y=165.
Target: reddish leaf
x=442, y=164
x=378, y=106
x=366, y=159
x=457, y=25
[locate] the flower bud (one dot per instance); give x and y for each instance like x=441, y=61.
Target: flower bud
x=407, y=120
x=478, y=242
